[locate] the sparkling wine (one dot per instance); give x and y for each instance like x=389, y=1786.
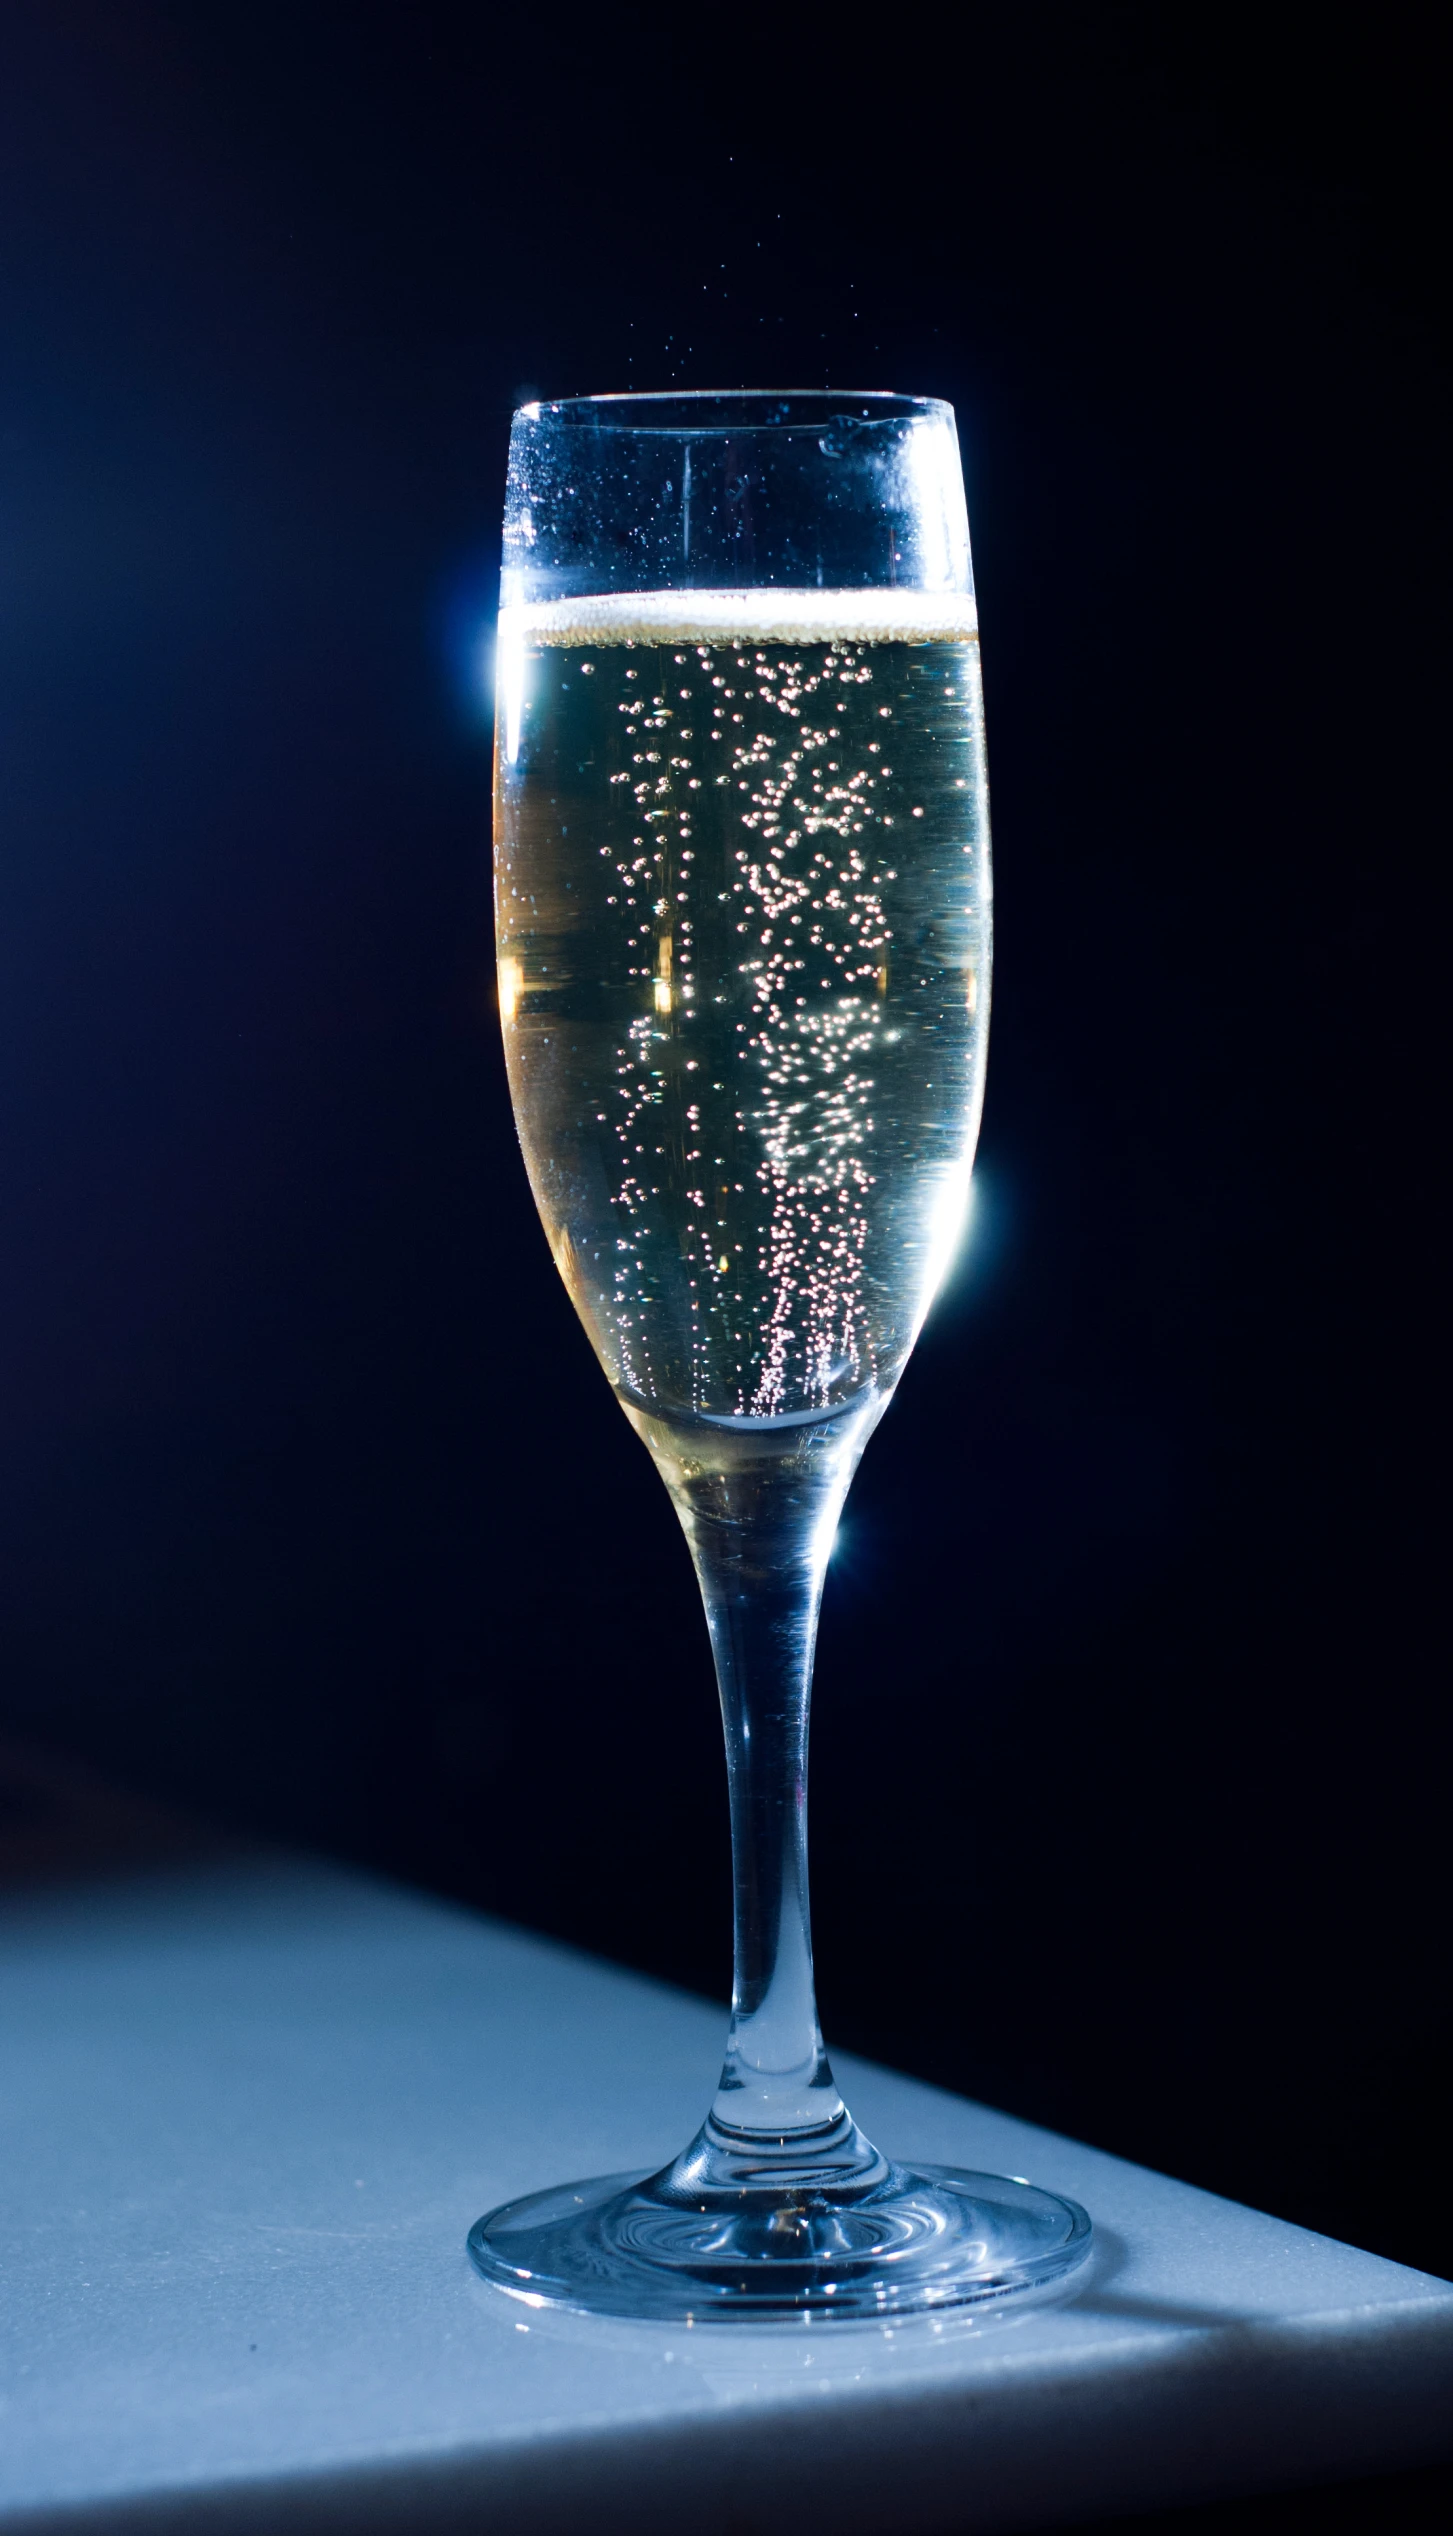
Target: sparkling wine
x=742, y=893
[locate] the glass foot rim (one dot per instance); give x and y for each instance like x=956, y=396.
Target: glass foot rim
x=947, y=2238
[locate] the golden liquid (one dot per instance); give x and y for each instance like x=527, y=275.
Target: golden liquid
x=742, y=895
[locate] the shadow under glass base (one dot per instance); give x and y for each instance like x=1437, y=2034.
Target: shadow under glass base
x=923, y=2238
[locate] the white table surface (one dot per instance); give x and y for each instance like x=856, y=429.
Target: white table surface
x=251, y=2108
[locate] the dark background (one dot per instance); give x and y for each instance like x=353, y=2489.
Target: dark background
x=1129, y=1798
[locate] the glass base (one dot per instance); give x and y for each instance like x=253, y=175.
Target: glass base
x=922, y=2238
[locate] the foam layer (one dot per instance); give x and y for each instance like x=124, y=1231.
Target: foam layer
x=748, y=616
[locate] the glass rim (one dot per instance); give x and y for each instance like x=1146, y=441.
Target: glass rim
x=796, y=408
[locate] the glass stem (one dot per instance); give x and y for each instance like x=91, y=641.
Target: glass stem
x=759, y=1506
x=762, y=1597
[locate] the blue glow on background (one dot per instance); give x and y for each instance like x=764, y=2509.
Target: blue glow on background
x=467, y=612
x=984, y=1240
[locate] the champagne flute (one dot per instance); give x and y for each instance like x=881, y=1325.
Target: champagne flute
x=743, y=911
